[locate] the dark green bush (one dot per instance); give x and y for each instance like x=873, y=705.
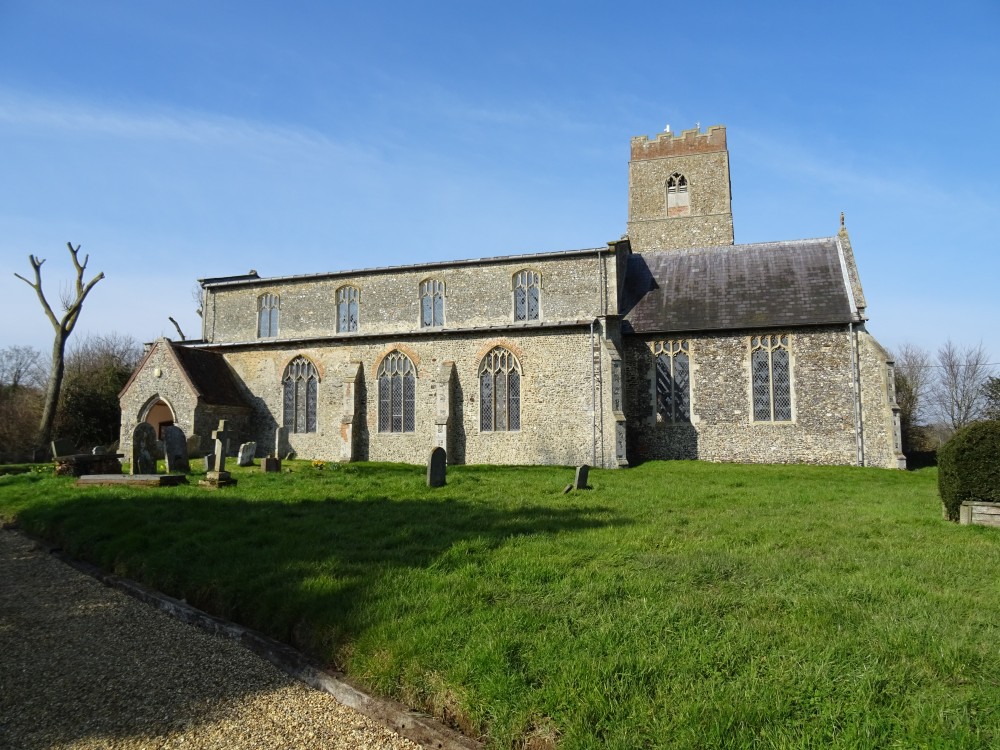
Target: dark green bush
x=969, y=467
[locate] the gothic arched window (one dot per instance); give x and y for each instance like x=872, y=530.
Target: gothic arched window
x=396, y=384
x=673, y=381
x=267, y=315
x=678, y=199
x=347, y=309
x=300, y=384
x=527, y=291
x=499, y=392
x=771, y=378
x=431, y=303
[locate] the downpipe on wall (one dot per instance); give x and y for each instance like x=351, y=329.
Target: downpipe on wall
x=859, y=434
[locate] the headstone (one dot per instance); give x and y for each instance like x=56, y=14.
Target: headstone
x=221, y=437
x=175, y=450
x=580, y=482
x=280, y=442
x=436, y=468
x=98, y=450
x=194, y=445
x=63, y=447
x=143, y=449
x=246, y=454
x=210, y=462
x=270, y=464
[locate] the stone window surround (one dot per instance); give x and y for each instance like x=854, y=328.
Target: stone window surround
x=392, y=366
x=512, y=365
x=343, y=296
x=671, y=348
x=677, y=194
x=533, y=280
x=788, y=346
x=300, y=368
x=434, y=289
x=268, y=314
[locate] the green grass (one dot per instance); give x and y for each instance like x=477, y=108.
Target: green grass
x=679, y=604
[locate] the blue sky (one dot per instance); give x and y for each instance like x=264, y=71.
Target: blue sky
x=178, y=140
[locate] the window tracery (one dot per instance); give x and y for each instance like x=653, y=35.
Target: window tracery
x=678, y=198
x=267, y=315
x=771, y=378
x=431, y=303
x=347, y=309
x=300, y=384
x=396, y=386
x=527, y=295
x=673, y=380
x=499, y=391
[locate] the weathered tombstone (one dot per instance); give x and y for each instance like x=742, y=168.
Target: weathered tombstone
x=175, y=450
x=210, y=462
x=580, y=481
x=436, y=468
x=218, y=476
x=246, y=454
x=280, y=442
x=98, y=450
x=143, y=449
x=270, y=464
x=194, y=445
x=63, y=447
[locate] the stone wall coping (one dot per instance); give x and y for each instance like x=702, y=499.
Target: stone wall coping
x=417, y=332
x=241, y=281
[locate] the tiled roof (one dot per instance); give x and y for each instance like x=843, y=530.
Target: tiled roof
x=209, y=375
x=774, y=284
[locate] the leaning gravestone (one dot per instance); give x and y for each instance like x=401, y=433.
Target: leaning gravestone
x=436, y=468
x=246, y=454
x=580, y=482
x=175, y=450
x=63, y=447
x=143, y=449
x=280, y=441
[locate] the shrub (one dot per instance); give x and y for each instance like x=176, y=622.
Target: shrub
x=969, y=467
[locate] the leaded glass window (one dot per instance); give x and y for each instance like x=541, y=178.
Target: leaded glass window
x=678, y=199
x=300, y=384
x=431, y=303
x=499, y=392
x=771, y=378
x=347, y=309
x=527, y=286
x=673, y=380
x=396, y=384
x=267, y=315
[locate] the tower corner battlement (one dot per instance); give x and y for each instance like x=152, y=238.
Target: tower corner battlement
x=691, y=141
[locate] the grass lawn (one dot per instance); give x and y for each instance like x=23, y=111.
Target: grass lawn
x=679, y=604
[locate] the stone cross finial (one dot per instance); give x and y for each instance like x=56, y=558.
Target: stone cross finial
x=841, y=219
x=221, y=437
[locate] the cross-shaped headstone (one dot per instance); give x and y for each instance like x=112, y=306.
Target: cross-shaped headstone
x=221, y=437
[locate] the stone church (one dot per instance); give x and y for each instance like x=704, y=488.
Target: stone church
x=669, y=343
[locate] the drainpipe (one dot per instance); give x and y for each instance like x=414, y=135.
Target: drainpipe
x=593, y=401
x=859, y=430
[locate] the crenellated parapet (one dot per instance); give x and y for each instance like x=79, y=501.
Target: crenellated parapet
x=691, y=141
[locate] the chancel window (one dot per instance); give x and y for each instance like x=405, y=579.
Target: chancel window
x=267, y=315
x=347, y=309
x=673, y=381
x=300, y=384
x=499, y=392
x=678, y=198
x=396, y=384
x=771, y=378
x=431, y=303
x=526, y=295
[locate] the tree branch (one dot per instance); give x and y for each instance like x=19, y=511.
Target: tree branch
x=36, y=264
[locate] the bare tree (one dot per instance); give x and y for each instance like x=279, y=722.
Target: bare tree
x=22, y=375
x=21, y=366
x=72, y=303
x=991, y=392
x=913, y=383
x=962, y=374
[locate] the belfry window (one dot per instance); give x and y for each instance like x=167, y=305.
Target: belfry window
x=431, y=303
x=267, y=315
x=678, y=198
x=396, y=384
x=527, y=295
x=347, y=309
x=499, y=392
x=300, y=384
x=673, y=381
x=771, y=378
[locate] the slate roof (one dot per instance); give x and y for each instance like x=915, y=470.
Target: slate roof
x=764, y=285
x=210, y=375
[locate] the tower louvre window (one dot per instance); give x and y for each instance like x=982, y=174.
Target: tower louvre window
x=678, y=198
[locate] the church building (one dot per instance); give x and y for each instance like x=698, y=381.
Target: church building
x=669, y=343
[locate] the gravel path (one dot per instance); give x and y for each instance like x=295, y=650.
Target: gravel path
x=85, y=666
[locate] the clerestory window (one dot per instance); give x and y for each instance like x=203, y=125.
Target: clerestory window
x=267, y=315
x=527, y=295
x=431, y=303
x=300, y=384
x=347, y=309
x=673, y=381
x=396, y=384
x=678, y=198
x=499, y=392
x=771, y=378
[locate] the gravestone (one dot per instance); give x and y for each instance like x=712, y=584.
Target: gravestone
x=270, y=464
x=194, y=445
x=436, y=468
x=63, y=447
x=280, y=442
x=143, y=449
x=580, y=481
x=218, y=476
x=246, y=454
x=98, y=450
x=210, y=462
x=175, y=450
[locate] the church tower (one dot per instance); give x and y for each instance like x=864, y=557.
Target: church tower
x=678, y=191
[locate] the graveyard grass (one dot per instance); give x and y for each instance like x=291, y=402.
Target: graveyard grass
x=678, y=604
